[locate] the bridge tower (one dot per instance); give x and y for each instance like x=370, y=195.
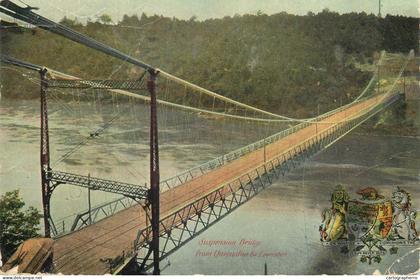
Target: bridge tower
x=154, y=171
x=45, y=154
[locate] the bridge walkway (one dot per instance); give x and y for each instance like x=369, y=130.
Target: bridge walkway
x=85, y=251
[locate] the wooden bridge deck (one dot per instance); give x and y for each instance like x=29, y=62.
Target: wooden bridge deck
x=84, y=251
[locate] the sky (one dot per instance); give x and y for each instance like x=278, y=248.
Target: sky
x=204, y=9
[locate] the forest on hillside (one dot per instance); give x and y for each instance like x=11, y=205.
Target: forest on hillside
x=283, y=63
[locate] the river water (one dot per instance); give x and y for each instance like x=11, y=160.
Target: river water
x=279, y=226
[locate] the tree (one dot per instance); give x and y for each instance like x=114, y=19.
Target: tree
x=105, y=19
x=193, y=18
x=16, y=224
x=281, y=55
x=70, y=22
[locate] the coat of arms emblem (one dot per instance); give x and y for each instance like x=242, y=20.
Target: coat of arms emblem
x=369, y=222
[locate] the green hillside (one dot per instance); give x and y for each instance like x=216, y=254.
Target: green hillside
x=283, y=63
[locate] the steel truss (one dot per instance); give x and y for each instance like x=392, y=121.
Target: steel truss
x=131, y=192
x=181, y=226
x=93, y=183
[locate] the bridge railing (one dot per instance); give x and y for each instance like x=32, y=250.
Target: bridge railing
x=107, y=209
x=110, y=208
x=238, y=153
x=88, y=217
x=184, y=224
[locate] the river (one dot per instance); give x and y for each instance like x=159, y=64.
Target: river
x=279, y=226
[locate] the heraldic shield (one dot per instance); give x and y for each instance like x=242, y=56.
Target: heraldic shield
x=371, y=214
x=367, y=223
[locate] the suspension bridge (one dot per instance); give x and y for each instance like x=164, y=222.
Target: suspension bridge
x=133, y=233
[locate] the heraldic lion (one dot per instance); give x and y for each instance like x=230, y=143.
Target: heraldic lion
x=333, y=225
